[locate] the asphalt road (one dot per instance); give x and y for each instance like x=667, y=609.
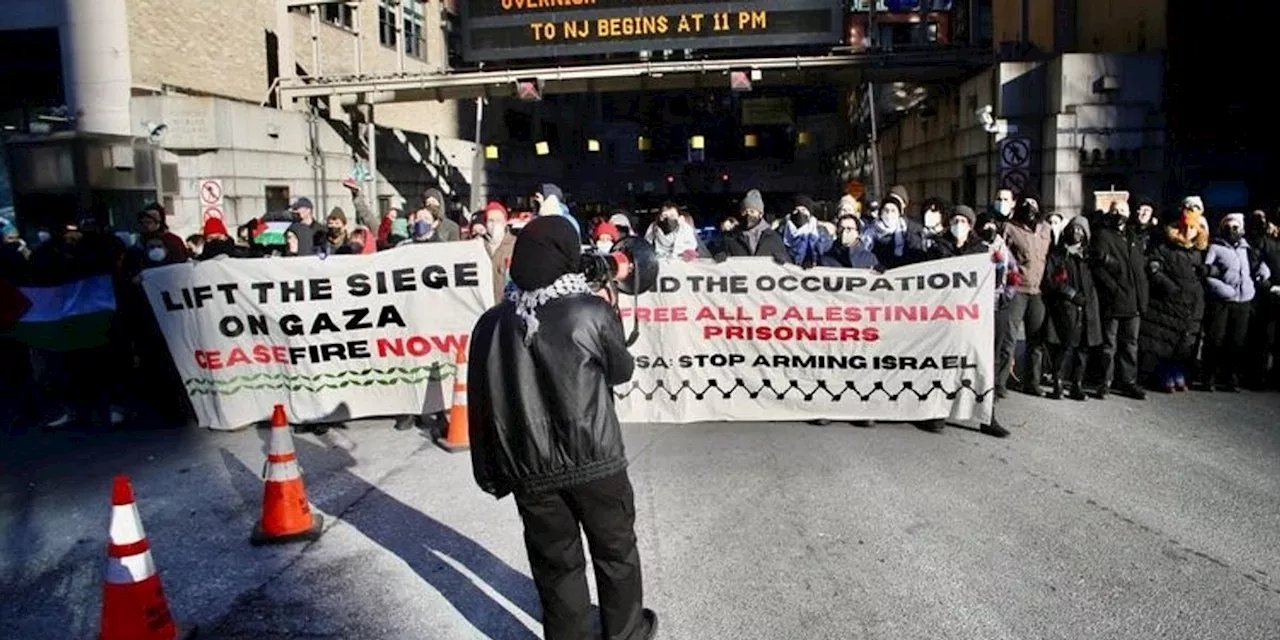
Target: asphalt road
x=1113, y=519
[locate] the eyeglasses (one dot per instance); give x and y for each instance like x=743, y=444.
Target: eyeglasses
x=843, y=229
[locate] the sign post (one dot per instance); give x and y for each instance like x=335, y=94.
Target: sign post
x=211, y=199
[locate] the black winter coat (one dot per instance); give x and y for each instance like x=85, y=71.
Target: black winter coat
x=1072, y=316
x=541, y=414
x=913, y=247
x=736, y=245
x=1119, y=272
x=1173, y=318
x=944, y=246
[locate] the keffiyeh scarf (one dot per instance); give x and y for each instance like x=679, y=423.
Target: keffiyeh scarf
x=528, y=302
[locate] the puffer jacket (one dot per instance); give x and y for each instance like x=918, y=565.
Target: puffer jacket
x=542, y=414
x=1231, y=271
x=1176, y=310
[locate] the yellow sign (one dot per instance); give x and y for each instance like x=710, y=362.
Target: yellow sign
x=542, y=148
x=593, y=145
x=1102, y=200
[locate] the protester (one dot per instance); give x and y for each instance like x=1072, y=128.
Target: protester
x=896, y=240
x=336, y=240
x=1028, y=238
x=195, y=245
x=543, y=426
x=1264, y=342
x=1175, y=312
x=442, y=228
x=849, y=251
x=218, y=243
x=552, y=193
x=621, y=221
x=806, y=242
x=153, y=226
x=605, y=235
x=1073, y=326
x=960, y=239
x=1235, y=271
x=671, y=236
x=498, y=243
x=304, y=213
x=1119, y=271
x=298, y=240
x=1056, y=224
x=753, y=237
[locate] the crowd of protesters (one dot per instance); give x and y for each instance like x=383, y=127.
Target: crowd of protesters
x=1126, y=299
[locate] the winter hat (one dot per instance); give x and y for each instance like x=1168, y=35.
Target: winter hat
x=302, y=203
x=1191, y=217
x=605, y=228
x=546, y=250
x=620, y=219
x=966, y=212
x=807, y=203
x=547, y=190
x=753, y=200
x=551, y=206
x=1227, y=220
x=1193, y=202
x=338, y=214
x=848, y=202
x=494, y=205
x=433, y=194
x=1083, y=223
x=899, y=193
x=215, y=227
x=1030, y=194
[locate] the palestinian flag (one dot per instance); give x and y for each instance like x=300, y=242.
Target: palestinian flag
x=66, y=317
x=271, y=234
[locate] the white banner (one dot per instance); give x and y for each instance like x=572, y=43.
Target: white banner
x=750, y=340
x=332, y=339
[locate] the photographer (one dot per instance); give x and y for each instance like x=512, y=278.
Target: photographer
x=543, y=426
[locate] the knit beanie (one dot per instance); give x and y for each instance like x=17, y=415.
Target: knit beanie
x=753, y=200
x=546, y=249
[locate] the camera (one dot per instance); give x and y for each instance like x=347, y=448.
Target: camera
x=631, y=267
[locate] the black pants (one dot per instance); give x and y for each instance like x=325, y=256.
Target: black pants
x=605, y=510
x=1027, y=309
x=1069, y=363
x=1226, y=327
x=84, y=388
x=1120, y=351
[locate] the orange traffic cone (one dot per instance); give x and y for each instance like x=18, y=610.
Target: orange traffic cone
x=286, y=514
x=458, y=438
x=133, y=603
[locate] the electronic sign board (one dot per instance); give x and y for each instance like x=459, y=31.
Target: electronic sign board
x=496, y=30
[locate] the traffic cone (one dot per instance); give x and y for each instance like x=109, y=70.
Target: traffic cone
x=286, y=514
x=458, y=439
x=133, y=603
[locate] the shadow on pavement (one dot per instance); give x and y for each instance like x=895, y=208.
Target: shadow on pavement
x=411, y=535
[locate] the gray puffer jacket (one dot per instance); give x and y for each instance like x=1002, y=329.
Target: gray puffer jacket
x=1233, y=270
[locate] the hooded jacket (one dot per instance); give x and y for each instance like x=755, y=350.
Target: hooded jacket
x=1119, y=263
x=1175, y=270
x=1072, y=314
x=1231, y=276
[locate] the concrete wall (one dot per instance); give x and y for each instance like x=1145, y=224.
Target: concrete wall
x=220, y=48
x=1081, y=138
x=251, y=148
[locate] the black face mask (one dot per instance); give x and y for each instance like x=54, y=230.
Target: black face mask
x=1234, y=235
x=668, y=225
x=988, y=234
x=1072, y=236
x=750, y=221
x=624, y=231
x=799, y=219
x=335, y=233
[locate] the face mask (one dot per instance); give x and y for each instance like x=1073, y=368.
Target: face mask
x=421, y=229
x=127, y=238
x=43, y=236
x=1003, y=207
x=604, y=246
x=495, y=229
x=800, y=218
x=668, y=225
x=335, y=233
x=1073, y=237
x=624, y=231
x=156, y=254
x=932, y=219
x=890, y=218
x=196, y=251
x=988, y=234
x=1234, y=234
x=848, y=237
x=1030, y=211
x=960, y=231
x=1058, y=226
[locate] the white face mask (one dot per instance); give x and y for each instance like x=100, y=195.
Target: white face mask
x=932, y=219
x=43, y=236
x=496, y=229
x=960, y=231
x=604, y=246
x=890, y=218
x=1058, y=226
x=1004, y=207
x=848, y=237
x=156, y=254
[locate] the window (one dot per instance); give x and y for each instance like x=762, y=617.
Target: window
x=415, y=12
x=338, y=15
x=277, y=199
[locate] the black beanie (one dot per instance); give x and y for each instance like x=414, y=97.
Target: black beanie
x=546, y=249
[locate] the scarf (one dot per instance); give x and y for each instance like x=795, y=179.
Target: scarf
x=898, y=232
x=801, y=242
x=672, y=245
x=753, y=235
x=528, y=302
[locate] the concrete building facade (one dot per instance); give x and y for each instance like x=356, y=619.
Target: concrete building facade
x=163, y=94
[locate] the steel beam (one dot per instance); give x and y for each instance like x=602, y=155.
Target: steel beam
x=944, y=63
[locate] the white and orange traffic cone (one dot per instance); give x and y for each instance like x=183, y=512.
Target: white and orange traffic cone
x=133, y=602
x=458, y=438
x=286, y=513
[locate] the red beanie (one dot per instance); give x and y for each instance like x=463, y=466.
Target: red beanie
x=494, y=205
x=215, y=227
x=605, y=228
